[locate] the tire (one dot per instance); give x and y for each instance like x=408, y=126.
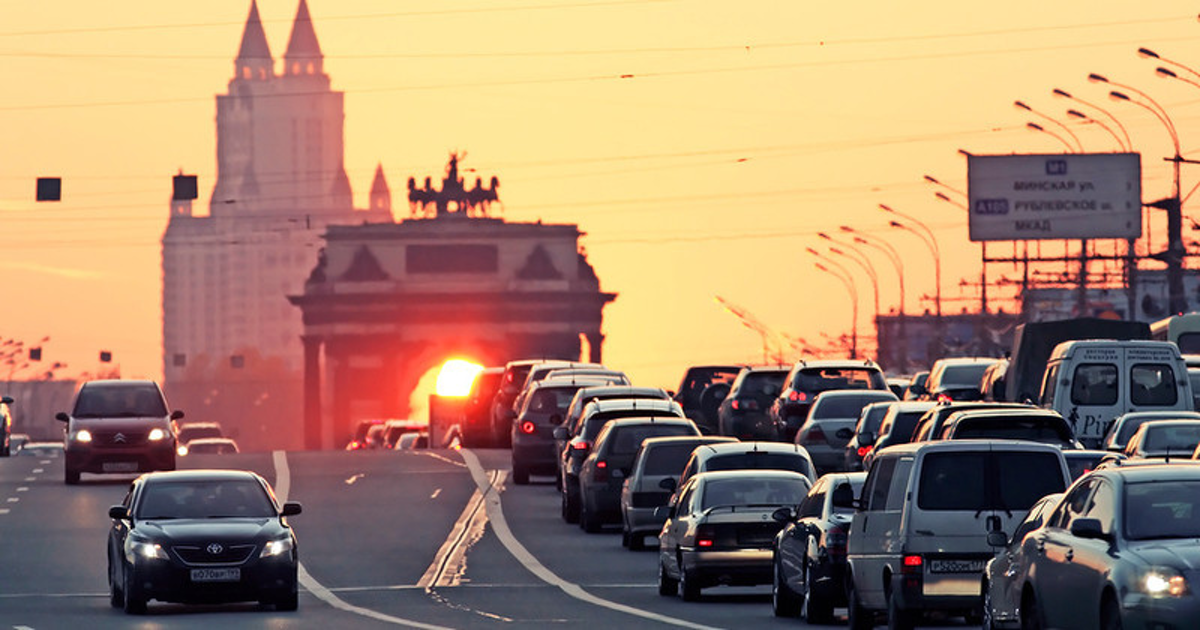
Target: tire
x=899, y=618
x=667, y=586
x=784, y=601
x=689, y=589
x=987, y=622
x=570, y=511
x=858, y=618
x=1110, y=614
x=288, y=602
x=587, y=520
x=134, y=602
x=1031, y=617
x=71, y=477
x=116, y=597
x=816, y=610
x=520, y=474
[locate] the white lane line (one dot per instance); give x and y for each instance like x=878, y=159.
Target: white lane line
x=31, y=479
x=40, y=470
x=435, y=493
x=495, y=513
x=443, y=458
x=23, y=489
x=4, y=510
x=449, y=563
x=353, y=478
x=13, y=499
x=283, y=487
x=43, y=462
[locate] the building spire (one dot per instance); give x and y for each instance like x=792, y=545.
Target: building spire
x=303, y=54
x=254, y=56
x=381, y=195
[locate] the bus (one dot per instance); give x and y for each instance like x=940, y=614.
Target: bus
x=1183, y=330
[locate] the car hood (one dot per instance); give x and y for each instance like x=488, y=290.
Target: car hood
x=1180, y=553
x=135, y=423
x=196, y=531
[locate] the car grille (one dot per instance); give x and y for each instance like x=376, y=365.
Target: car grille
x=650, y=499
x=119, y=439
x=757, y=534
x=199, y=555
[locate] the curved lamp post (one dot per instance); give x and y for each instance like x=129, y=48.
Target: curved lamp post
x=1125, y=144
x=875, y=242
x=930, y=242
x=848, y=281
x=1070, y=149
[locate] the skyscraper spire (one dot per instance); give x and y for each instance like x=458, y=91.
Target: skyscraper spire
x=254, y=57
x=303, y=54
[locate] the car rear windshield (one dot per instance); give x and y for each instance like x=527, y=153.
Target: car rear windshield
x=204, y=499
x=1162, y=509
x=987, y=480
x=819, y=380
x=668, y=459
x=627, y=440
x=1034, y=429
x=1174, y=438
x=843, y=406
x=187, y=433
x=595, y=422
x=759, y=460
x=968, y=375
x=761, y=384
x=903, y=426
x=119, y=402
x=750, y=491
x=552, y=399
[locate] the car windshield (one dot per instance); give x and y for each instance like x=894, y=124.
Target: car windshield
x=119, y=402
x=627, y=440
x=819, y=380
x=761, y=384
x=760, y=460
x=204, y=499
x=1162, y=509
x=968, y=375
x=753, y=491
x=842, y=406
x=551, y=399
x=978, y=480
x=1010, y=428
x=187, y=433
x=597, y=421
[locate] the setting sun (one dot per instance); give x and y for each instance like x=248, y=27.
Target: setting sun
x=455, y=377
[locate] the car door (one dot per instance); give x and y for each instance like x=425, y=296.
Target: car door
x=1091, y=560
x=675, y=528
x=875, y=530
x=794, y=542
x=1051, y=570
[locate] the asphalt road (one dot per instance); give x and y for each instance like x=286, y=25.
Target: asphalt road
x=387, y=539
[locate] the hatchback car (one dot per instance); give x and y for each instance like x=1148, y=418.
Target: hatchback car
x=808, y=379
x=658, y=459
x=958, y=378
x=746, y=456
x=201, y=536
x=810, y=552
x=1118, y=551
x=532, y=433
x=830, y=425
x=897, y=427
x=1035, y=425
x=1123, y=426
x=598, y=392
x=699, y=398
x=720, y=530
x=209, y=446
x=610, y=462
x=743, y=412
x=118, y=426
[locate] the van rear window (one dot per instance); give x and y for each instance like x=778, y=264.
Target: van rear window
x=988, y=480
x=1153, y=384
x=1094, y=384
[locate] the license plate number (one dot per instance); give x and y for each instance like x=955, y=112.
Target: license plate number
x=216, y=575
x=119, y=466
x=957, y=566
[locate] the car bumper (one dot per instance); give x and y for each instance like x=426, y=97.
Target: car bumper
x=535, y=455
x=604, y=502
x=736, y=567
x=1159, y=613
x=643, y=521
x=946, y=592
x=120, y=460
x=829, y=581
x=261, y=579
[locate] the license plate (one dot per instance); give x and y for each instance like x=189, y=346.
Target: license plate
x=216, y=575
x=119, y=467
x=957, y=566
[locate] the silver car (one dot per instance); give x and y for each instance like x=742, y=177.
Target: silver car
x=1003, y=575
x=642, y=492
x=830, y=425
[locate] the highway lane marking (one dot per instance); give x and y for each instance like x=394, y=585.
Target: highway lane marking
x=450, y=562
x=353, y=478
x=283, y=487
x=31, y=479
x=495, y=513
x=443, y=458
x=13, y=499
x=40, y=470
x=4, y=510
x=435, y=493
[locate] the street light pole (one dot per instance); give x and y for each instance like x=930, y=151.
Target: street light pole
x=1125, y=144
x=901, y=359
x=1070, y=149
x=848, y=281
x=930, y=241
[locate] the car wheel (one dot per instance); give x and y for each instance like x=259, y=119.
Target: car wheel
x=816, y=611
x=689, y=588
x=116, y=597
x=1110, y=614
x=784, y=601
x=587, y=520
x=288, y=602
x=857, y=618
x=520, y=474
x=988, y=621
x=71, y=477
x=1031, y=617
x=135, y=602
x=667, y=586
x=899, y=618
x=570, y=510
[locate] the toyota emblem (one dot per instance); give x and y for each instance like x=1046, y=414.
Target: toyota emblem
x=215, y=548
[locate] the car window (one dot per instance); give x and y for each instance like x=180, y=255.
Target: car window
x=856, y=487
x=1102, y=507
x=1171, y=437
x=1032, y=521
x=1024, y=477
x=753, y=491
x=953, y=481
x=667, y=459
x=204, y=499
x=812, y=505
x=823, y=379
x=969, y=374
x=759, y=460
x=1162, y=509
x=626, y=440
x=1010, y=428
x=878, y=483
x=119, y=401
x=1073, y=505
x=1094, y=384
x=1153, y=384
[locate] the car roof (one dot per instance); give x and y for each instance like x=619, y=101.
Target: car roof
x=749, y=473
x=840, y=363
x=201, y=424
x=643, y=420
x=966, y=360
x=698, y=440
x=118, y=382
x=563, y=383
x=1138, y=471
x=1154, y=424
x=911, y=448
x=1181, y=414
x=909, y=406
x=202, y=474
x=992, y=413
x=742, y=447
x=212, y=440
x=884, y=395
x=614, y=404
x=607, y=390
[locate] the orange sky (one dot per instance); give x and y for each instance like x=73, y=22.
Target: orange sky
x=701, y=144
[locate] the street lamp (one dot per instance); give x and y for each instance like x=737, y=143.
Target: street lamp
x=901, y=349
x=930, y=241
x=1074, y=113
x=1173, y=205
x=1126, y=144
x=860, y=259
x=1036, y=127
x=848, y=281
x=1070, y=149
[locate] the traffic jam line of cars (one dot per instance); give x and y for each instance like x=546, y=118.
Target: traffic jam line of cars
x=859, y=500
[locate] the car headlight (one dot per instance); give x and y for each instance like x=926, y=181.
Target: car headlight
x=83, y=435
x=136, y=549
x=156, y=435
x=182, y=450
x=276, y=547
x=1164, y=582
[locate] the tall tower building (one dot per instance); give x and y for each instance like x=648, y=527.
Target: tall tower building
x=280, y=181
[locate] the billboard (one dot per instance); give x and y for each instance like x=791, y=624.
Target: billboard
x=1054, y=196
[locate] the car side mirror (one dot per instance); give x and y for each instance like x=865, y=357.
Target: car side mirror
x=668, y=483
x=843, y=497
x=291, y=508
x=997, y=538
x=1088, y=528
x=118, y=513
x=177, y=414
x=844, y=433
x=560, y=432
x=782, y=515
x=8, y=400
x=62, y=417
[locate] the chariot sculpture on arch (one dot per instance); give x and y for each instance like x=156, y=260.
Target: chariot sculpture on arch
x=453, y=199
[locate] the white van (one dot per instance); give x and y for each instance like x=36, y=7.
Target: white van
x=919, y=540
x=1091, y=382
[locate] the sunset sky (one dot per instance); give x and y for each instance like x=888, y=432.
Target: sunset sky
x=700, y=144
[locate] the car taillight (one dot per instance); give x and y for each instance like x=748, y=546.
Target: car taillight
x=835, y=541
x=796, y=396
x=745, y=404
x=814, y=435
x=911, y=564
x=944, y=398
x=863, y=450
x=528, y=427
x=705, y=536
x=601, y=473
x=580, y=445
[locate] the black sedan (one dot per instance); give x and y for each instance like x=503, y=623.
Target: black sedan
x=201, y=536
x=810, y=552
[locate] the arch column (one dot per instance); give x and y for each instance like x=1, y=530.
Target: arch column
x=312, y=392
